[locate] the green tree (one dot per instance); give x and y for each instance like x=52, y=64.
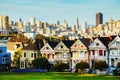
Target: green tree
x=118, y=65
x=16, y=59
x=100, y=65
x=60, y=67
x=82, y=65
x=41, y=63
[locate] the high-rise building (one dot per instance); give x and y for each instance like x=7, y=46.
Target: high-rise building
x=57, y=23
x=32, y=21
x=84, y=25
x=27, y=27
x=77, y=24
x=20, y=24
x=99, y=18
x=65, y=24
x=39, y=24
x=4, y=22
x=0, y=22
x=11, y=23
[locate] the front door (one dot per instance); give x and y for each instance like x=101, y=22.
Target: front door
x=22, y=65
x=112, y=62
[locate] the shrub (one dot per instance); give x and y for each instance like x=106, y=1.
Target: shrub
x=41, y=63
x=82, y=65
x=118, y=65
x=60, y=67
x=100, y=65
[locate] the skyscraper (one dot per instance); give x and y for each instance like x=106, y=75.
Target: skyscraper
x=77, y=24
x=84, y=26
x=32, y=21
x=65, y=24
x=57, y=23
x=4, y=22
x=99, y=18
x=20, y=24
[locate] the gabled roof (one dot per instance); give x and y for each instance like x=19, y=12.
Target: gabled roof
x=105, y=40
x=86, y=41
x=116, y=38
x=30, y=46
x=13, y=45
x=68, y=43
x=53, y=44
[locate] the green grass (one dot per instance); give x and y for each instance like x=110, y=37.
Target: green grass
x=54, y=76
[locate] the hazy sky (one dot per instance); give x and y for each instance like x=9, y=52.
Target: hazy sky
x=52, y=10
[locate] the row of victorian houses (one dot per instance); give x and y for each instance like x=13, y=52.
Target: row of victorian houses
x=70, y=52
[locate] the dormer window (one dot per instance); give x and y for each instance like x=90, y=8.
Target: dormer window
x=61, y=46
x=97, y=44
x=75, y=46
x=17, y=45
x=47, y=48
x=82, y=46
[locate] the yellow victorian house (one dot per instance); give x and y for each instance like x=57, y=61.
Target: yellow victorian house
x=80, y=51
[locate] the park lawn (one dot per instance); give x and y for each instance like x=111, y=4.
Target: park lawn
x=54, y=76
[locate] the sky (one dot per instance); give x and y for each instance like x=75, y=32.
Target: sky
x=69, y=10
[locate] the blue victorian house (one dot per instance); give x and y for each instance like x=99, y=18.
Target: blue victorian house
x=4, y=56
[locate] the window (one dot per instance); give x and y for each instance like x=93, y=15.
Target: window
x=81, y=46
x=44, y=55
x=97, y=44
x=78, y=45
x=48, y=56
x=61, y=46
x=22, y=65
x=0, y=50
x=82, y=54
x=31, y=55
x=52, y=56
x=24, y=54
x=47, y=48
x=35, y=55
x=75, y=54
x=17, y=45
x=7, y=59
x=117, y=43
x=104, y=53
x=100, y=53
x=3, y=60
x=93, y=52
x=64, y=55
x=75, y=46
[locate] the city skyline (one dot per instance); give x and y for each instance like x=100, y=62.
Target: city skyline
x=52, y=10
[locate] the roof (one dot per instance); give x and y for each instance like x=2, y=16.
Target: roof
x=106, y=40
x=86, y=41
x=68, y=43
x=30, y=46
x=53, y=44
x=19, y=38
x=13, y=45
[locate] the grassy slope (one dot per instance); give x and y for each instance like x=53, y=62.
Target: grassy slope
x=54, y=76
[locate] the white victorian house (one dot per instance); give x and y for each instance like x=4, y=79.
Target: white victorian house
x=48, y=52
x=114, y=55
x=99, y=50
x=80, y=51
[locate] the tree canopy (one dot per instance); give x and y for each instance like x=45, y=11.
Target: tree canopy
x=41, y=63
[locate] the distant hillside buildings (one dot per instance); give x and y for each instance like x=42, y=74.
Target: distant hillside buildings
x=76, y=31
